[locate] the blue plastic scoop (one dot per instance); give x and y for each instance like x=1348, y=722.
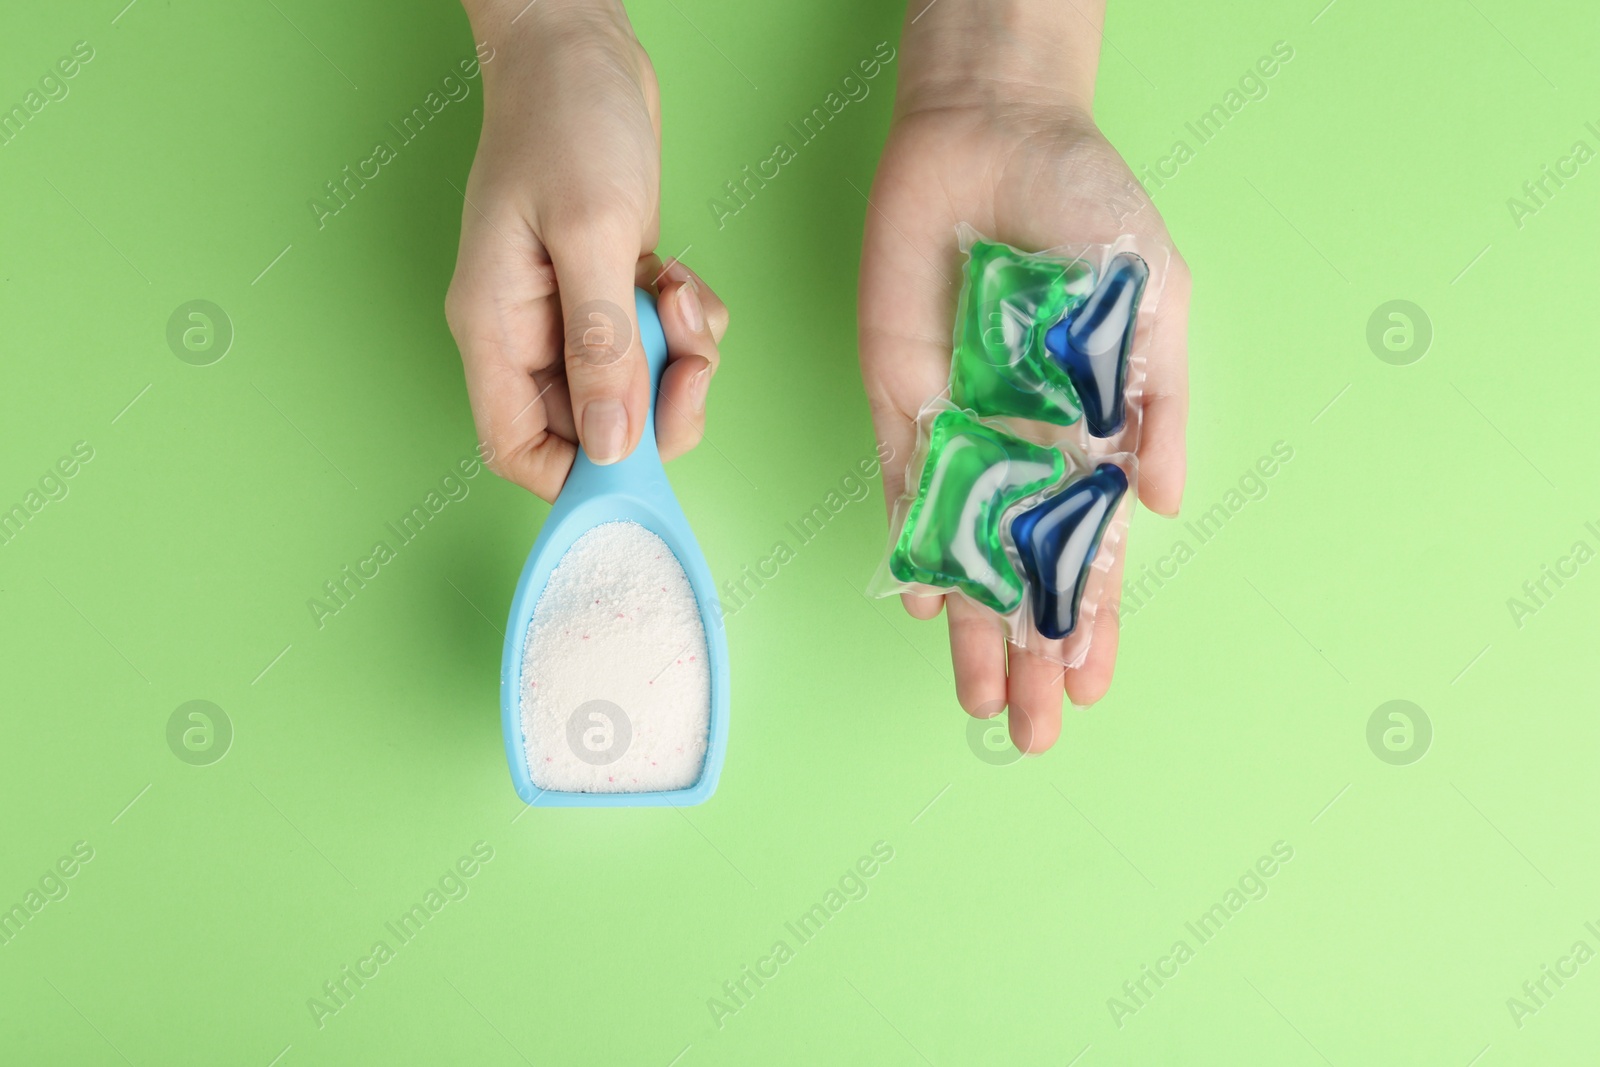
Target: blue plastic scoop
x=633, y=490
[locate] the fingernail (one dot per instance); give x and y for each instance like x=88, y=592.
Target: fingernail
x=699, y=385
x=693, y=313
x=605, y=430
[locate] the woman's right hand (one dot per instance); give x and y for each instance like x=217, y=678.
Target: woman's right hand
x=560, y=223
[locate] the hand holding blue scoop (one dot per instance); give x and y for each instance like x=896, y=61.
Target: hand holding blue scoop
x=633, y=490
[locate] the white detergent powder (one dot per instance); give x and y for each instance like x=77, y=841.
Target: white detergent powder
x=616, y=690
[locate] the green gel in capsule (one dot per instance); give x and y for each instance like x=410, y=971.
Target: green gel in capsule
x=971, y=475
x=999, y=366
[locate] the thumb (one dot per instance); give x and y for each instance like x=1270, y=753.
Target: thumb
x=604, y=358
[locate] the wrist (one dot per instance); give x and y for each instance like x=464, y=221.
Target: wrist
x=965, y=53
x=495, y=17
x=550, y=36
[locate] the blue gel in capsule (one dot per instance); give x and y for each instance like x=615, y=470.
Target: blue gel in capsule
x=1057, y=539
x=1092, y=342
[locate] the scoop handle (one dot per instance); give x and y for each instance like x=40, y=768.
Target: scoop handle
x=641, y=472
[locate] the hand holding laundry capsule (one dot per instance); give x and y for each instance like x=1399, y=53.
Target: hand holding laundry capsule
x=560, y=218
x=992, y=126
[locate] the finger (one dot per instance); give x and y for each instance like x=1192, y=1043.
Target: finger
x=1088, y=682
x=503, y=311
x=647, y=273
x=508, y=408
x=920, y=606
x=905, y=304
x=1163, y=457
x=716, y=310
x=683, y=310
x=895, y=426
x=554, y=400
x=1033, y=689
x=977, y=651
x=595, y=264
x=681, y=410
x=894, y=416
x=691, y=361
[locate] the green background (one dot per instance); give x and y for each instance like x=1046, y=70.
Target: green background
x=366, y=757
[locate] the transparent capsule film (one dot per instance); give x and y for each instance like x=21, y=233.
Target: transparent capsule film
x=1055, y=341
x=971, y=488
x=965, y=474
